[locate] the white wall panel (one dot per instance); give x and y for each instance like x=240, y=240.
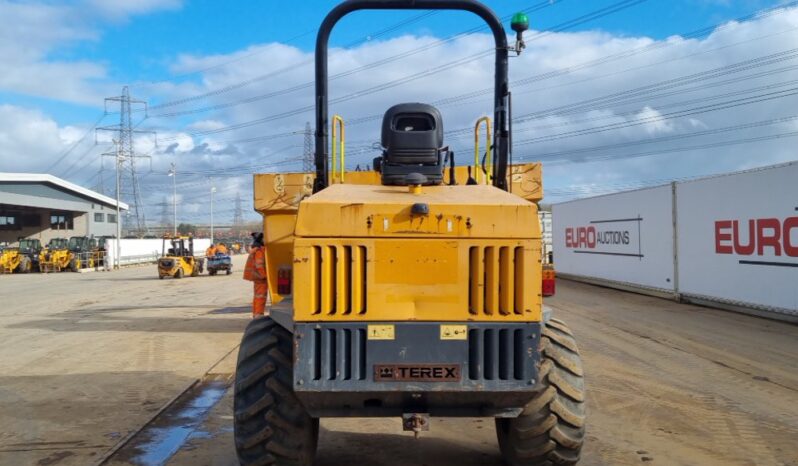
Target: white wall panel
x=625, y=237
x=738, y=238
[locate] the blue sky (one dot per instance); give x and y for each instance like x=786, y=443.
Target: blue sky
x=142, y=49
x=233, y=76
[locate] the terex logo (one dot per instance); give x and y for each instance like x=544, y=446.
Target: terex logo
x=762, y=236
x=580, y=237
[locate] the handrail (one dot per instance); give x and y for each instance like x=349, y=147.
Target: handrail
x=488, y=158
x=500, y=88
x=341, y=124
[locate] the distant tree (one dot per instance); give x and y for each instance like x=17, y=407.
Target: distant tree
x=187, y=229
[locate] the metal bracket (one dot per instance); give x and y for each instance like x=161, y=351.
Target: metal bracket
x=415, y=422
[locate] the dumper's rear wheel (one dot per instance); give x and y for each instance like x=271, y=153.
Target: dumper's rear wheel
x=551, y=429
x=271, y=425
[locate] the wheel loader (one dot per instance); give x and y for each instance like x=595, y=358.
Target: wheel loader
x=84, y=253
x=22, y=259
x=56, y=256
x=177, y=258
x=411, y=292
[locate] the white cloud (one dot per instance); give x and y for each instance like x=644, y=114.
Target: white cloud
x=30, y=32
x=561, y=118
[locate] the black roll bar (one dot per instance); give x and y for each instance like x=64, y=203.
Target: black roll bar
x=501, y=134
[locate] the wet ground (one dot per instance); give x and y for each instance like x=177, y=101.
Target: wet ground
x=126, y=368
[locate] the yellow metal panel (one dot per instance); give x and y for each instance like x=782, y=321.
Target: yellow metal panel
x=454, y=332
x=380, y=332
x=415, y=262
x=408, y=289
x=457, y=211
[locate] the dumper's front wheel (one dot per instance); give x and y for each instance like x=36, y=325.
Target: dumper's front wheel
x=271, y=425
x=551, y=429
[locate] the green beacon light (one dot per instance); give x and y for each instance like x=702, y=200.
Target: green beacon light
x=519, y=23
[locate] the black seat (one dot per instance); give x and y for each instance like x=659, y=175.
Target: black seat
x=412, y=141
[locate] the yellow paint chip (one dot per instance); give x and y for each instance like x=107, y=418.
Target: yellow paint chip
x=380, y=332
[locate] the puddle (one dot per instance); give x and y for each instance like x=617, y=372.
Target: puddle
x=232, y=310
x=164, y=437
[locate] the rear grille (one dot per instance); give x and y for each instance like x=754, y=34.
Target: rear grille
x=339, y=354
x=496, y=354
x=338, y=280
x=496, y=280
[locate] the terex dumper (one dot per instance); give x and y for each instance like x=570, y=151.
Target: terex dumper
x=412, y=292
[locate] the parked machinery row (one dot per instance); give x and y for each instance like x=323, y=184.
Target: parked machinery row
x=75, y=253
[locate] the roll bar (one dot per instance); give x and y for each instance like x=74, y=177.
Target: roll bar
x=500, y=133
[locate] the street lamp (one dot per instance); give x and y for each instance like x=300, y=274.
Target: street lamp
x=173, y=174
x=213, y=190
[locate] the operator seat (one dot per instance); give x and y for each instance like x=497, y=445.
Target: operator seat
x=412, y=142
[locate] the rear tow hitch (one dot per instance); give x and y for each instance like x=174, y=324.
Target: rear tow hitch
x=415, y=422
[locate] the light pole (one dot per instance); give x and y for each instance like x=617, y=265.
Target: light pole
x=173, y=174
x=213, y=190
x=118, y=247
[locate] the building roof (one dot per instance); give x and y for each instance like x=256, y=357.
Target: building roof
x=63, y=184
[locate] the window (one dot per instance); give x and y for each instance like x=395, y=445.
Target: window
x=9, y=222
x=31, y=220
x=99, y=217
x=111, y=218
x=61, y=221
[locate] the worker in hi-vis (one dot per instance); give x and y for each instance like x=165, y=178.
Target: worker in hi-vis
x=255, y=271
x=211, y=251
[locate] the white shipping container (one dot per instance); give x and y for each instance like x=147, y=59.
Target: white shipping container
x=738, y=238
x=625, y=237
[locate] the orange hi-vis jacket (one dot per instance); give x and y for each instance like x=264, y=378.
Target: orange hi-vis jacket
x=221, y=249
x=255, y=269
x=211, y=251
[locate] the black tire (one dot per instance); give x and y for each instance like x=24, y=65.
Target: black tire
x=194, y=271
x=74, y=265
x=179, y=273
x=271, y=426
x=551, y=429
x=229, y=271
x=211, y=272
x=25, y=265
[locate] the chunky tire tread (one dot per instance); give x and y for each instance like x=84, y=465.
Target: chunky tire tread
x=271, y=425
x=551, y=429
x=559, y=325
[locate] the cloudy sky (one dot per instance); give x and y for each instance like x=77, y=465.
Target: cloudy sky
x=609, y=94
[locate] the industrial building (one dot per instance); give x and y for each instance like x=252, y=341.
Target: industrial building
x=43, y=206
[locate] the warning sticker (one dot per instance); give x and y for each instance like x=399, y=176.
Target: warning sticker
x=380, y=332
x=454, y=332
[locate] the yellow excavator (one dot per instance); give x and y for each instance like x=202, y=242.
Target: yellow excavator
x=410, y=292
